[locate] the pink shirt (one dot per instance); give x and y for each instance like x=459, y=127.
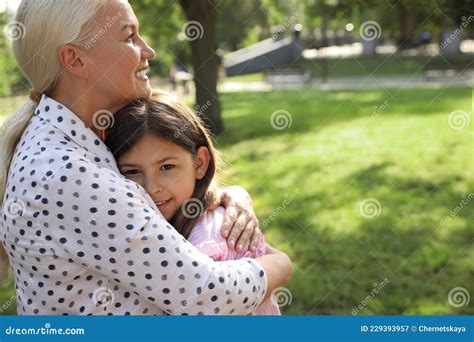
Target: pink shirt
x=206, y=237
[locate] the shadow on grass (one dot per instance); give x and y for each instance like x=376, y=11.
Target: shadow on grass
x=312, y=110
x=405, y=247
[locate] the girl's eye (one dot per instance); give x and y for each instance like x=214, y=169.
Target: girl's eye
x=167, y=167
x=131, y=173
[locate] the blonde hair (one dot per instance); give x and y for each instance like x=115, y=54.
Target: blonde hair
x=44, y=26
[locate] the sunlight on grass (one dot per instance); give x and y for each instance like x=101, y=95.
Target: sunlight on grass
x=336, y=153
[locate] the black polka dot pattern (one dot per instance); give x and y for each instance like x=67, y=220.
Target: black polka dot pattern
x=83, y=240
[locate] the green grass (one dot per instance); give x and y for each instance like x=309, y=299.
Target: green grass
x=258, y=76
x=390, y=65
x=332, y=157
x=307, y=181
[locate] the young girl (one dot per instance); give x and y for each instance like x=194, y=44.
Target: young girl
x=163, y=145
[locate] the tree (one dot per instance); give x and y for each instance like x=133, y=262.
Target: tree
x=160, y=23
x=240, y=23
x=12, y=79
x=201, y=14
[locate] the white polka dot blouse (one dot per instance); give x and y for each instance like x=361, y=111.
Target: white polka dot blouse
x=83, y=240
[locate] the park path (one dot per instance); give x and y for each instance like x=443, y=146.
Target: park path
x=353, y=83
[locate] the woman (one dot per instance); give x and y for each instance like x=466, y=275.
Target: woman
x=86, y=240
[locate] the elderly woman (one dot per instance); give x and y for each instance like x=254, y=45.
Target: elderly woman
x=83, y=239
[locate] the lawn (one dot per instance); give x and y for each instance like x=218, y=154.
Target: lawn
x=309, y=179
x=380, y=65
x=394, y=149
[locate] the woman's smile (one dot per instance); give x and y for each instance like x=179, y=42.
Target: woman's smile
x=141, y=74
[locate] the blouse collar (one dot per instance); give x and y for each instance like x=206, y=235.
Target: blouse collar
x=72, y=126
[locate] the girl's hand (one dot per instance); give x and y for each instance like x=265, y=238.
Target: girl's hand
x=240, y=226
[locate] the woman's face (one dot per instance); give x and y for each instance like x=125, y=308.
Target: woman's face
x=167, y=171
x=118, y=56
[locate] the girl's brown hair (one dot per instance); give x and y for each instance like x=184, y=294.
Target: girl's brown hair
x=166, y=117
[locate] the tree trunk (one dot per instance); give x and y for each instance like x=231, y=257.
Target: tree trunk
x=408, y=24
x=205, y=60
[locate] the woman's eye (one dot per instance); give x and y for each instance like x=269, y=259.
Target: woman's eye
x=167, y=167
x=130, y=37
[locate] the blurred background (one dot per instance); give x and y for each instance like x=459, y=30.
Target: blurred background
x=349, y=122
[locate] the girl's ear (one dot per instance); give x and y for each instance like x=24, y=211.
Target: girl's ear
x=201, y=163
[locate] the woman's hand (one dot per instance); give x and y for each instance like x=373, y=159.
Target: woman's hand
x=240, y=225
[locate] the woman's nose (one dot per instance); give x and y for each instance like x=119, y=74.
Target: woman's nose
x=147, y=51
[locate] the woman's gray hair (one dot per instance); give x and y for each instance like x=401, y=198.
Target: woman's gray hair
x=44, y=26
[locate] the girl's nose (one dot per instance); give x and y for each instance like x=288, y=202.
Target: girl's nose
x=153, y=187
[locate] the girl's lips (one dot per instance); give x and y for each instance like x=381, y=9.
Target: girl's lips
x=162, y=204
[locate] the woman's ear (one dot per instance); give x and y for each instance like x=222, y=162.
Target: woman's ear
x=201, y=162
x=73, y=60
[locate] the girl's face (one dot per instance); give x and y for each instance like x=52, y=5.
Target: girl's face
x=167, y=171
x=118, y=56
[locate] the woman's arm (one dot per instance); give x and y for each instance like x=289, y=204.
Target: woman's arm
x=240, y=227
x=278, y=268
